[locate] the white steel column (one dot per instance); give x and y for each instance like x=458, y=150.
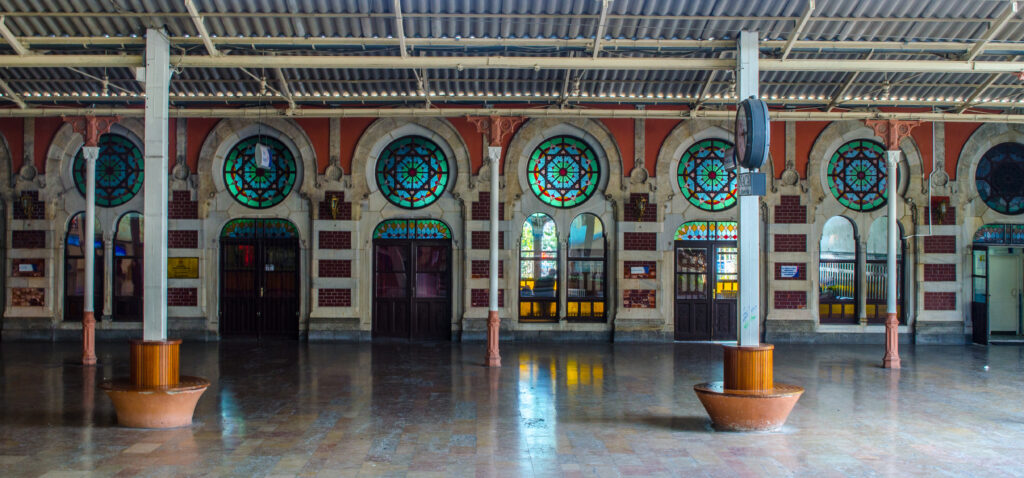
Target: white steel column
x=748, y=325
x=892, y=356
x=158, y=73
x=89, y=153
x=493, y=319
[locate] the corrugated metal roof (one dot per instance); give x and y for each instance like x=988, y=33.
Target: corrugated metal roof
x=256, y=21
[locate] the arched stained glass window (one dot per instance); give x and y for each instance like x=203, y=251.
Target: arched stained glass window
x=1000, y=178
x=259, y=228
x=585, y=287
x=412, y=229
x=705, y=179
x=538, y=270
x=857, y=175
x=412, y=172
x=118, y=171
x=563, y=171
x=259, y=180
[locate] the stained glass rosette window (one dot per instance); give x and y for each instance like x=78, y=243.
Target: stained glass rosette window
x=412, y=172
x=118, y=171
x=259, y=228
x=704, y=177
x=1000, y=178
x=707, y=231
x=563, y=171
x=857, y=175
x=254, y=183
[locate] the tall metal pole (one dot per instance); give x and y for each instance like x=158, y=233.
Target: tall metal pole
x=493, y=320
x=748, y=325
x=158, y=73
x=89, y=153
x=892, y=353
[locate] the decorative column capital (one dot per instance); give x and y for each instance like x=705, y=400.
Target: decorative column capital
x=496, y=127
x=892, y=131
x=91, y=127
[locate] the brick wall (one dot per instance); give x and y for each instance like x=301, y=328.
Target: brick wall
x=630, y=213
x=940, y=301
x=801, y=270
x=481, y=210
x=790, y=243
x=334, y=297
x=652, y=269
x=335, y=240
x=939, y=272
x=37, y=210
x=344, y=208
x=789, y=211
x=640, y=241
x=940, y=244
x=639, y=298
x=182, y=206
x=481, y=298
x=182, y=297
x=334, y=268
x=790, y=299
x=939, y=219
x=28, y=239
x=482, y=240
x=482, y=269
x=183, y=239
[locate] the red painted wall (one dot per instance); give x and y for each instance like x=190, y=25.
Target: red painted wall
x=778, y=148
x=198, y=130
x=172, y=148
x=319, y=132
x=474, y=142
x=351, y=130
x=922, y=135
x=623, y=132
x=46, y=129
x=13, y=130
x=656, y=133
x=956, y=136
x=806, y=134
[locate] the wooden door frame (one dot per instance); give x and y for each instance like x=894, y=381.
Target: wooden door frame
x=410, y=278
x=711, y=247
x=258, y=244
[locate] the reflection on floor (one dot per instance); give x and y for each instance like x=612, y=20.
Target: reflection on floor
x=292, y=409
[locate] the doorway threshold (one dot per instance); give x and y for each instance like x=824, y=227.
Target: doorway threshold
x=1011, y=340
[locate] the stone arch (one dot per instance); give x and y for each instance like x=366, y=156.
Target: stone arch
x=228, y=132
x=839, y=133
x=536, y=130
x=984, y=138
x=383, y=131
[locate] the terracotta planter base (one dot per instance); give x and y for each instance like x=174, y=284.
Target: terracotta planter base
x=737, y=410
x=155, y=407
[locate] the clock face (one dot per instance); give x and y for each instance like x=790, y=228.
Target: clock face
x=741, y=133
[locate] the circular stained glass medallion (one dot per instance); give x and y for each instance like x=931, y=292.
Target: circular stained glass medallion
x=1000, y=178
x=259, y=182
x=563, y=171
x=704, y=177
x=857, y=175
x=118, y=171
x=412, y=172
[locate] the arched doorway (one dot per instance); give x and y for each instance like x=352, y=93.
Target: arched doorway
x=74, y=269
x=259, y=278
x=837, y=272
x=128, y=254
x=706, y=280
x=877, y=276
x=412, y=276
x=997, y=279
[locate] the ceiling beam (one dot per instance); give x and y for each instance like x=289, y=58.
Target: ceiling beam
x=602, y=23
x=527, y=112
x=400, y=28
x=1000, y=22
x=286, y=91
x=12, y=40
x=201, y=28
x=797, y=30
x=10, y=94
x=841, y=91
x=969, y=102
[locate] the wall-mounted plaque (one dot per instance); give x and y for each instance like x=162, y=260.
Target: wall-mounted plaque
x=182, y=267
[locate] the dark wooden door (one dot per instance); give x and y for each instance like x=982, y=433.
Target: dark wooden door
x=412, y=289
x=979, y=295
x=259, y=287
x=705, y=290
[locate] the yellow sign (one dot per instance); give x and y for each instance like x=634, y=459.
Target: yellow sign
x=182, y=267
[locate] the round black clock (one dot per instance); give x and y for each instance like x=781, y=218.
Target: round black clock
x=752, y=133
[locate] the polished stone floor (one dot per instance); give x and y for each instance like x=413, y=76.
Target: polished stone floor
x=297, y=409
